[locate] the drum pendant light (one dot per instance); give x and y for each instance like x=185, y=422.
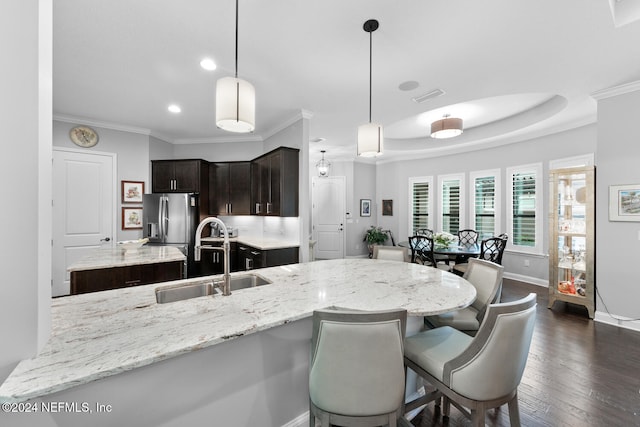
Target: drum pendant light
x=370, y=135
x=235, y=100
x=447, y=127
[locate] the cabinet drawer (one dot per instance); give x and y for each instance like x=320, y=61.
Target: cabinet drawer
x=123, y=277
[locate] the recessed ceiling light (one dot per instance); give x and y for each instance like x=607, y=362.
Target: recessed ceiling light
x=208, y=64
x=317, y=140
x=174, y=108
x=408, y=85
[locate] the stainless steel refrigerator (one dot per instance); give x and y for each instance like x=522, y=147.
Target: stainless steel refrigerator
x=171, y=219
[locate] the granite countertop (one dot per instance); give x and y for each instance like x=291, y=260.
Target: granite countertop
x=118, y=257
x=262, y=243
x=100, y=334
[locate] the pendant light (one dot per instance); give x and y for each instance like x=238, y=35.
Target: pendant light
x=235, y=100
x=370, y=138
x=323, y=166
x=447, y=127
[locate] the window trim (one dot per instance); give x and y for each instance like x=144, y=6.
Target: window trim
x=497, y=200
x=463, y=217
x=415, y=180
x=539, y=209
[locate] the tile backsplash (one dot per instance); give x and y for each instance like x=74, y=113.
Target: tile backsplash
x=284, y=228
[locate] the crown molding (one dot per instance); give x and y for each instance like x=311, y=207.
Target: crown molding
x=616, y=90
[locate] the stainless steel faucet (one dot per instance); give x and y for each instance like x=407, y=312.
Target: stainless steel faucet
x=226, y=249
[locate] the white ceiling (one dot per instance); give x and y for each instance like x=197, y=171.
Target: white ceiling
x=511, y=69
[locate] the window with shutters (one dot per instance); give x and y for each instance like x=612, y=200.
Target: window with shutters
x=421, y=207
x=524, y=208
x=485, y=203
x=451, y=209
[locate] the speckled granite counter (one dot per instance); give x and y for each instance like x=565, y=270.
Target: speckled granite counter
x=118, y=257
x=262, y=243
x=105, y=333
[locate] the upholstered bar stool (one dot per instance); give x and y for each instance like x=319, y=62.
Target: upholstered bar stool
x=486, y=277
x=480, y=373
x=357, y=375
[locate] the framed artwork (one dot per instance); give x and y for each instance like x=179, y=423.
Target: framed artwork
x=387, y=207
x=132, y=218
x=132, y=191
x=624, y=202
x=365, y=207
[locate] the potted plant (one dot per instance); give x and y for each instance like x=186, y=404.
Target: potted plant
x=374, y=236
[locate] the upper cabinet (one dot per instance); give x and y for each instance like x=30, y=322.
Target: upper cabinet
x=180, y=176
x=274, y=183
x=230, y=188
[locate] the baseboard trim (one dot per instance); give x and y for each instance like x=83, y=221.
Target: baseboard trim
x=299, y=421
x=619, y=321
x=526, y=279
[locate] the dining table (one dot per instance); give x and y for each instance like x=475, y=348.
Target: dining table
x=454, y=249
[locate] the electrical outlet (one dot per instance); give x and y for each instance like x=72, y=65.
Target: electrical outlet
x=526, y=263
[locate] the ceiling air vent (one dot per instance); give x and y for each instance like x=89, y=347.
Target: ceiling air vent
x=433, y=94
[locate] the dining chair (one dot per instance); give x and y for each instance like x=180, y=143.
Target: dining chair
x=486, y=277
x=423, y=232
x=392, y=253
x=422, y=250
x=466, y=237
x=491, y=249
x=357, y=375
x=479, y=373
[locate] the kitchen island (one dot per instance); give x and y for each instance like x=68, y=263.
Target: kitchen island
x=251, y=366
x=112, y=268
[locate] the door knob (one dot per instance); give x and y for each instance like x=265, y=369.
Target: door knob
x=106, y=239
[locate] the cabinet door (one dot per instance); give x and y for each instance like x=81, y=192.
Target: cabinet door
x=275, y=179
x=259, y=168
x=240, y=188
x=161, y=176
x=222, y=188
x=187, y=176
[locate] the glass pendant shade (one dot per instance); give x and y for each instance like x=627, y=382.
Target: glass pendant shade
x=446, y=128
x=323, y=166
x=235, y=105
x=370, y=140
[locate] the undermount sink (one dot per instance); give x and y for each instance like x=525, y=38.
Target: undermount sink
x=181, y=292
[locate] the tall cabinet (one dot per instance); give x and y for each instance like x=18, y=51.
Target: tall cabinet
x=572, y=237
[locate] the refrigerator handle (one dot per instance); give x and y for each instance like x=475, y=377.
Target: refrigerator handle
x=160, y=215
x=165, y=218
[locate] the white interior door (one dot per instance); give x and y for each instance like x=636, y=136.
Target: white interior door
x=328, y=197
x=83, y=209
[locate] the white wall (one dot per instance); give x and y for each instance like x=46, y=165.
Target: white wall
x=392, y=183
x=618, y=243
x=219, y=152
x=132, y=150
x=25, y=169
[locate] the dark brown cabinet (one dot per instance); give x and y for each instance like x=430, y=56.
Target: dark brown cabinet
x=250, y=258
x=180, y=176
x=274, y=183
x=230, y=188
x=103, y=279
x=212, y=261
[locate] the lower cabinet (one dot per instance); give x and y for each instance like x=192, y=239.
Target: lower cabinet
x=250, y=258
x=103, y=279
x=212, y=261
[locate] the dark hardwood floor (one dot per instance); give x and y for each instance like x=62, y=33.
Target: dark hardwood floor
x=579, y=372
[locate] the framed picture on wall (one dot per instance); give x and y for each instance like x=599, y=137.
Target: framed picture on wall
x=624, y=202
x=365, y=207
x=387, y=207
x=132, y=191
x=132, y=218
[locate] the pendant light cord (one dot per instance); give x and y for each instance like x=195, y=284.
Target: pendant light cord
x=370, y=70
x=236, y=39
